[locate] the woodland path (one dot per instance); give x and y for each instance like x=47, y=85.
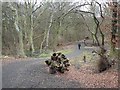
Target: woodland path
x=33, y=73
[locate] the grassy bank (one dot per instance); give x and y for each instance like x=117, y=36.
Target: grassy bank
x=44, y=55
x=79, y=60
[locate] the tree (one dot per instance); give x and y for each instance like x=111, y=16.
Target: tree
x=97, y=22
x=48, y=32
x=20, y=34
x=103, y=60
x=118, y=32
x=30, y=9
x=119, y=29
x=114, y=25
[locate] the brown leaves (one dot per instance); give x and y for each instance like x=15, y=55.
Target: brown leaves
x=107, y=79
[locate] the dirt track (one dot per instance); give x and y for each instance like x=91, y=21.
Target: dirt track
x=33, y=73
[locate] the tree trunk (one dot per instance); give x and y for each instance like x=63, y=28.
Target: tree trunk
x=48, y=32
x=93, y=40
x=114, y=27
x=103, y=40
x=118, y=42
x=30, y=29
x=41, y=45
x=102, y=37
x=20, y=50
x=30, y=36
x=20, y=36
x=96, y=38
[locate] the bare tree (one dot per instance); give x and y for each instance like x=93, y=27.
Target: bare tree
x=20, y=34
x=49, y=29
x=118, y=42
x=103, y=60
x=31, y=9
x=114, y=26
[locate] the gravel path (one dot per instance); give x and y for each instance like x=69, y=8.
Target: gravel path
x=33, y=73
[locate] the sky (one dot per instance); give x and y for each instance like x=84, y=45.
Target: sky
x=56, y=0
x=81, y=1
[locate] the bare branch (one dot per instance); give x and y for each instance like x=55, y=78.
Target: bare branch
x=34, y=4
x=95, y=20
x=100, y=10
x=101, y=23
x=64, y=14
x=86, y=23
x=39, y=16
x=36, y=9
x=38, y=36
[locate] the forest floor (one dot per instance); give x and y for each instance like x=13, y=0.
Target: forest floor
x=33, y=73
x=90, y=79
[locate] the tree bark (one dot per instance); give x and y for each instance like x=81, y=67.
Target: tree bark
x=30, y=28
x=114, y=27
x=48, y=32
x=20, y=50
x=41, y=45
x=30, y=36
x=101, y=14
x=31, y=10
x=118, y=42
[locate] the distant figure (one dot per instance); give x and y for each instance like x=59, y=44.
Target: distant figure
x=79, y=46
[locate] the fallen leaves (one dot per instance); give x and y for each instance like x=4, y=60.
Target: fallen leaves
x=107, y=79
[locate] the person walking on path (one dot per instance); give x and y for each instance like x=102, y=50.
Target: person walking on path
x=79, y=45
